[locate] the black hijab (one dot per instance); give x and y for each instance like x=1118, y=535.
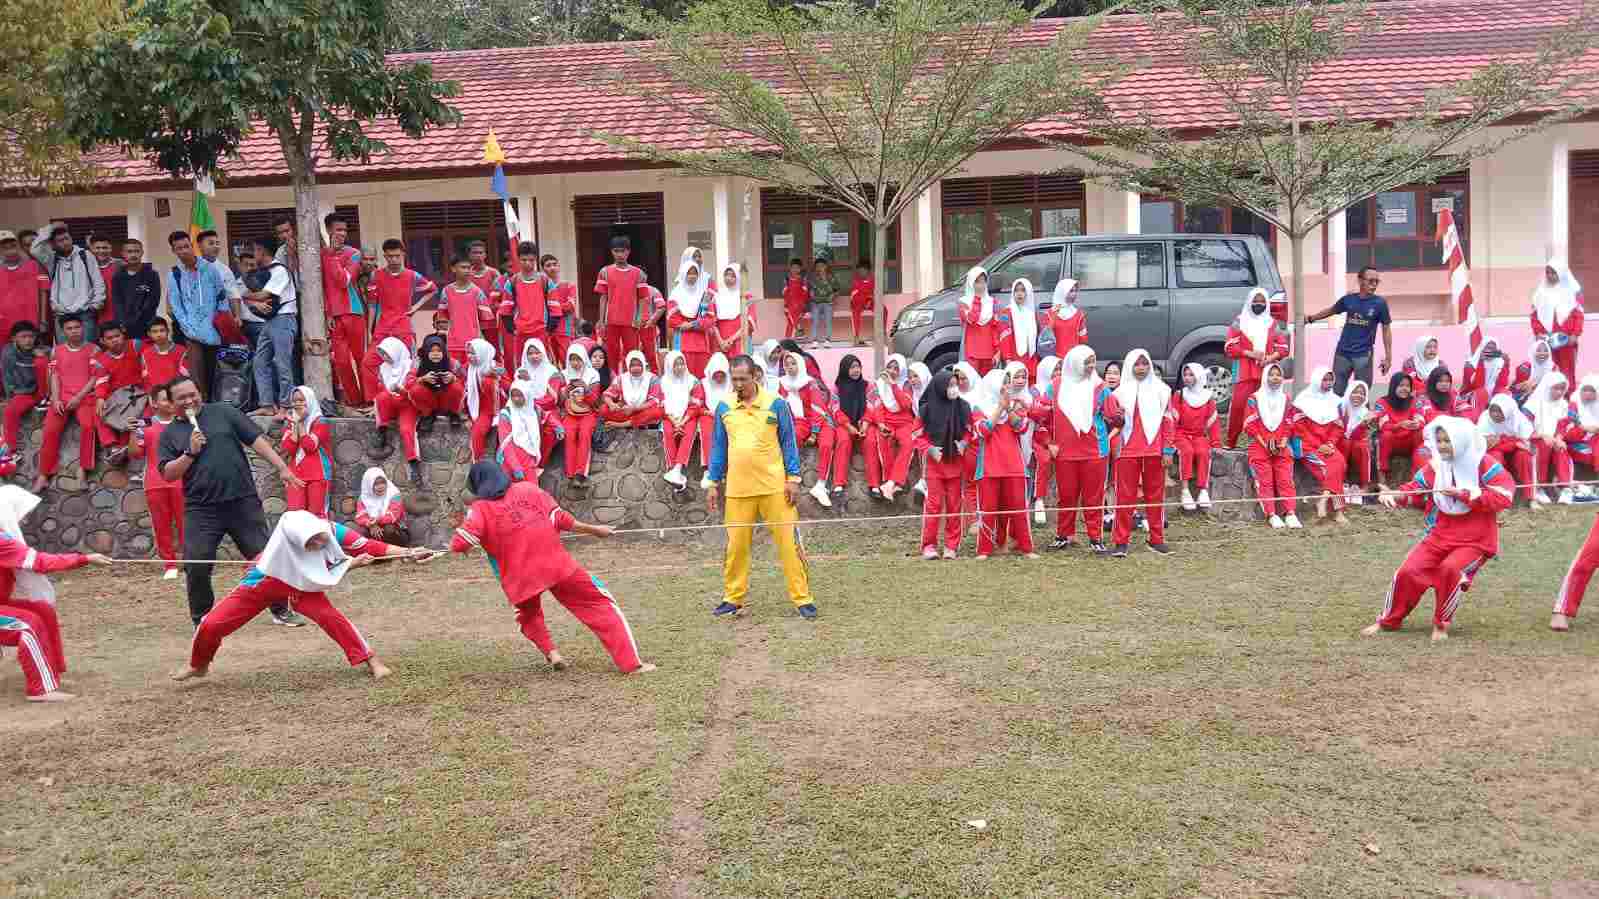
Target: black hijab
x=851, y=391
x=1439, y=399
x=425, y=366
x=944, y=420
x=603, y=370
x=1395, y=401
x=487, y=480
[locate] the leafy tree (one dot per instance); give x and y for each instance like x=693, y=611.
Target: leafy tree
x=183, y=82
x=35, y=151
x=864, y=107
x=1284, y=155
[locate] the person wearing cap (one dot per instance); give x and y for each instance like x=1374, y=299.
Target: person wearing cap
x=76, y=288
x=24, y=287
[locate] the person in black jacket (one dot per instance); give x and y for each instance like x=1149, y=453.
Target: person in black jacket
x=135, y=290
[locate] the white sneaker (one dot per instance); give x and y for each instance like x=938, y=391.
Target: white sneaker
x=1293, y=522
x=670, y=477
x=1038, y=512
x=819, y=493
x=1204, y=499
x=171, y=575
x=889, y=489
x=1565, y=497
x=921, y=487
x=705, y=482
x=1188, y=501
x=1276, y=522
x=1540, y=497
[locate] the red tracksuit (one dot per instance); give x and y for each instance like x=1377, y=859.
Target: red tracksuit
x=1393, y=437
x=1247, y=374
x=521, y=533
x=1356, y=448
x=1453, y=550
x=1002, y=484
x=164, y=498
x=979, y=341
x=1575, y=583
x=1069, y=331
x=1082, y=460
x=1274, y=472
x=813, y=426
x=861, y=294
x=532, y=305
x=31, y=625
x=488, y=280
x=1005, y=340
x=946, y=487
x=346, y=321
x=74, y=368
x=393, y=294
x=796, y=297
x=314, y=466
x=1141, y=474
x=1565, y=355
x=1198, y=432
x=1329, y=467
x=648, y=414
x=1473, y=382
x=517, y=462
x=678, y=442
x=896, y=446
x=579, y=426
x=112, y=373
x=157, y=367
x=551, y=417
x=257, y=591
x=844, y=441
x=1552, y=464
x=692, y=336
x=463, y=308
x=427, y=401
x=394, y=514
x=625, y=307
x=17, y=407
x=488, y=411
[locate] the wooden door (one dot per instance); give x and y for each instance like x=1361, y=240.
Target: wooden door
x=1584, y=224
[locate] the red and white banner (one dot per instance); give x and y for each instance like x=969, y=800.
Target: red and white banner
x=1459, y=279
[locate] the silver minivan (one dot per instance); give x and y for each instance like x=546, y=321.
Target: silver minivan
x=1172, y=294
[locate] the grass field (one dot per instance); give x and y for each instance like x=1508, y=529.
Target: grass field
x=1205, y=725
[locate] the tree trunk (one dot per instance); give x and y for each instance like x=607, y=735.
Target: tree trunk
x=318, y=369
x=879, y=283
x=1297, y=306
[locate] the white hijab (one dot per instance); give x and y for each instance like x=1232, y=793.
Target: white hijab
x=584, y=373
x=1199, y=394
x=763, y=359
x=729, y=300
x=1540, y=369
x=1489, y=366
x=1024, y=317
x=676, y=391
x=993, y=387
x=479, y=365
x=975, y=396
x=1063, y=304
x=793, y=384
x=885, y=387
x=1515, y=424
x=524, y=419
x=1271, y=401
x=1424, y=366
x=1547, y=414
x=306, y=570
x=1355, y=416
x=1078, y=386
x=1588, y=413
x=635, y=390
x=396, y=367
x=968, y=296
x=924, y=375
x=1148, y=397
x=684, y=261
x=1553, y=302
x=313, y=414
x=1320, y=406
x=1464, y=470
x=714, y=395
x=538, y=376
x=372, y=503
x=1047, y=367
x=685, y=296
x=15, y=504
x=1256, y=328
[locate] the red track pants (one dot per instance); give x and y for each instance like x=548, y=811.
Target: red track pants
x=1447, y=571
x=1238, y=410
x=589, y=602
x=37, y=641
x=166, y=519
x=371, y=379
x=1140, y=479
x=1193, y=459
x=1575, y=583
x=313, y=498
x=942, y=510
x=1519, y=463
x=398, y=411
x=679, y=442
x=579, y=443
x=1274, y=479
x=1082, y=487
x=1005, y=515
x=247, y=601
x=347, y=341
x=50, y=445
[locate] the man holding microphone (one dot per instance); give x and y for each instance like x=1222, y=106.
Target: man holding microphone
x=755, y=460
x=205, y=450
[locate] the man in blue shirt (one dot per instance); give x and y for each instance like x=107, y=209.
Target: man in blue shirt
x=1363, y=313
x=196, y=292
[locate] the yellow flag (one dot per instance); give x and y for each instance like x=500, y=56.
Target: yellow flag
x=491, y=150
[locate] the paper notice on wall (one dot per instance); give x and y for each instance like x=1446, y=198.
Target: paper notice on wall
x=1443, y=204
x=782, y=241
x=838, y=239
x=1399, y=216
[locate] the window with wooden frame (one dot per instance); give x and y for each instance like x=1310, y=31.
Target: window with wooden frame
x=110, y=227
x=797, y=226
x=980, y=215
x=1163, y=215
x=435, y=232
x=1396, y=230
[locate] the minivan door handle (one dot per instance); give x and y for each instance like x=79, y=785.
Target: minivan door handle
x=1148, y=303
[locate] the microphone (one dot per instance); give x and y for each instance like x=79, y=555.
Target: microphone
x=194, y=421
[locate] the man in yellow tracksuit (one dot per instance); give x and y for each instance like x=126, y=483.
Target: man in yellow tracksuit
x=755, y=460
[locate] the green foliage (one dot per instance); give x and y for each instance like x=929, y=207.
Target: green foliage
x=36, y=152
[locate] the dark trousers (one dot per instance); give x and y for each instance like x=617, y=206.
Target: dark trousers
x=204, y=526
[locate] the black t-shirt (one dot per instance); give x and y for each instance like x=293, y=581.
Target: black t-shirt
x=221, y=473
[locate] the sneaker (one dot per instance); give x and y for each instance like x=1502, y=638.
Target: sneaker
x=1110, y=518
x=1140, y=522
x=1188, y=501
x=875, y=493
x=929, y=553
x=1565, y=497
x=808, y=612
x=889, y=489
x=921, y=487
x=1038, y=512
x=949, y=554
x=1540, y=498
x=170, y=575
x=972, y=531
x=819, y=493
x=292, y=619
x=580, y=480
x=1061, y=543
x=838, y=489
x=1292, y=521
x=1098, y=548
x=1160, y=549
x=1276, y=522
x=705, y=482
x=1203, y=501
x=1119, y=552
x=727, y=610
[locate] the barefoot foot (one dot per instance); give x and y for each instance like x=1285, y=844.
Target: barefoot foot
x=52, y=696
x=1559, y=622
x=1371, y=630
x=377, y=669
x=1439, y=634
x=558, y=662
x=643, y=668
x=187, y=673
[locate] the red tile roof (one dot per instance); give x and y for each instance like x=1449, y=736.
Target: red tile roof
x=541, y=106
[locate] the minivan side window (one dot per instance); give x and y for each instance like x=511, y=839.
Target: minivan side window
x=1040, y=265
x=1118, y=266
x=1214, y=263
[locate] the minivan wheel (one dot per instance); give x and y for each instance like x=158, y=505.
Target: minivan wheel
x=938, y=360
x=1220, y=371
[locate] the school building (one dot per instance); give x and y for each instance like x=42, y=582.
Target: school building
x=573, y=192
